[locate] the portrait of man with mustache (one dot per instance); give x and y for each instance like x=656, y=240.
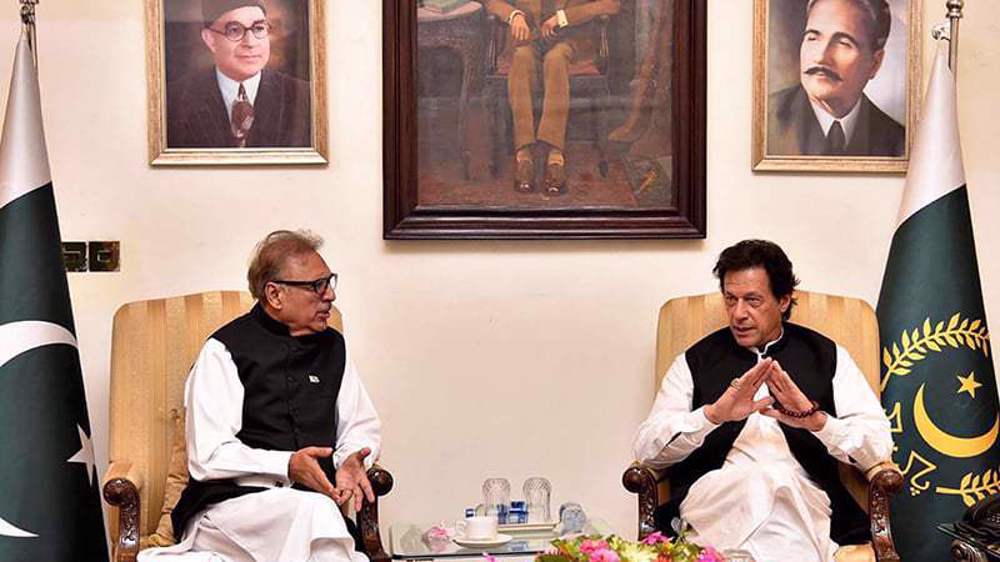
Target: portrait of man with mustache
x=827, y=113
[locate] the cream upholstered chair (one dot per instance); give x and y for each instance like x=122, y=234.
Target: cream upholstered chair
x=848, y=321
x=153, y=346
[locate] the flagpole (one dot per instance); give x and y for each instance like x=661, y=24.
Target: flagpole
x=28, y=21
x=954, y=14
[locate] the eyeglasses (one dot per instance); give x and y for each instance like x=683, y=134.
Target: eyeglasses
x=236, y=31
x=318, y=286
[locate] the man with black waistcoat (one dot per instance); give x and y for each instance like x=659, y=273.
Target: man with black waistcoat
x=280, y=430
x=752, y=421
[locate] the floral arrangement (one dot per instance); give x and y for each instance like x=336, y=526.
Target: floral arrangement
x=654, y=548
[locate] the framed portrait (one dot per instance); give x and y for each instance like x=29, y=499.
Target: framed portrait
x=520, y=119
x=236, y=82
x=836, y=84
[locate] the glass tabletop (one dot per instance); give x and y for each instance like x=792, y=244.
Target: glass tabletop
x=407, y=542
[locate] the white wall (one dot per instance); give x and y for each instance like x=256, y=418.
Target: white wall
x=484, y=358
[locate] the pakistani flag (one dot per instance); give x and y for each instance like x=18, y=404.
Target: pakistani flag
x=937, y=373
x=49, y=503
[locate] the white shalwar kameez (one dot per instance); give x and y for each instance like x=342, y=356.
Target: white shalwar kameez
x=761, y=499
x=275, y=525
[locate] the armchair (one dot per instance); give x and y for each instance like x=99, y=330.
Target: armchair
x=153, y=345
x=851, y=323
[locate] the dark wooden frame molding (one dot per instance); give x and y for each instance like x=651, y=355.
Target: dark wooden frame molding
x=404, y=218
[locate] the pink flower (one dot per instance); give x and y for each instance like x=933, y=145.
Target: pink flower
x=710, y=555
x=590, y=546
x=489, y=557
x=604, y=555
x=655, y=538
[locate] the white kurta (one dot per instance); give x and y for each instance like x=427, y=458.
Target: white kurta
x=771, y=507
x=279, y=524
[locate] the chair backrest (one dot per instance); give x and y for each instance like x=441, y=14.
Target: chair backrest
x=154, y=343
x=848, y=321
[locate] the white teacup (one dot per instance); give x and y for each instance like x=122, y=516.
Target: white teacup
x=478, y=528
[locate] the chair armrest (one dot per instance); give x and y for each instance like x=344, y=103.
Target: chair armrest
x=643, y=481
x=381, y=481
x=884, y=480
x=121, y=487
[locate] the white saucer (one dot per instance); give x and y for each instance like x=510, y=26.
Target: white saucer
x=478, y=543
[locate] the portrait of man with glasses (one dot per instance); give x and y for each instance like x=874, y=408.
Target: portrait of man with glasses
x=243, y=100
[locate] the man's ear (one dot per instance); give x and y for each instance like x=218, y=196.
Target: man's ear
x=208, y=38
x=272, y=294
x=784, y=302
x=877, y=58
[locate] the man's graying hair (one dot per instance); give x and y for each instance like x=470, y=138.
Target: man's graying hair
x=273, y=252
x=878, y=20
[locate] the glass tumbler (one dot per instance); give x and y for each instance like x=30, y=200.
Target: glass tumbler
x=537, y=494
x=496, y=498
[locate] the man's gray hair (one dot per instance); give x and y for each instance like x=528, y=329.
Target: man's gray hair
x=273, y=252
x=878, y=19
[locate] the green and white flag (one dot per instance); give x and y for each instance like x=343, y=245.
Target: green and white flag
x=939, y=388
x=49, y=500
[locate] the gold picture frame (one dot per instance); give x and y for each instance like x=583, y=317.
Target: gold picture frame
x=176, y=55
x=778, y=32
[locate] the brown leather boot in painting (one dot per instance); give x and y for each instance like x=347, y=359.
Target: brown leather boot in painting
x=555, y=173
x=524, y=171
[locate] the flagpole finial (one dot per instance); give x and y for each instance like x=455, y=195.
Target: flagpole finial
x=28, y=21
x=28, y=11
x=954, y=8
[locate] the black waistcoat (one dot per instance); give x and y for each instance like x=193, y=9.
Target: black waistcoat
x=811, y=360
x=290, y=388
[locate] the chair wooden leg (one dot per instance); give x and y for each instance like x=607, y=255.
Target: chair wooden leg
x=368, y=523
x=642, y=482
x=123, y=494
x=882, y=486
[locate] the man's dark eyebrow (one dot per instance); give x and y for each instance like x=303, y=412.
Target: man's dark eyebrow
x=837, y=35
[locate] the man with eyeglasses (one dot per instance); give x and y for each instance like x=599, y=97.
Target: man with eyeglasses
x=240, y=103
x=280, y=430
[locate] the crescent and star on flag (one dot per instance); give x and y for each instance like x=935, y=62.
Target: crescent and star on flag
x=963, y=335
x=17, y=338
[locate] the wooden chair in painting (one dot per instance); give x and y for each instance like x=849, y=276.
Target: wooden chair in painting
x=154, y=344
x=848, y=321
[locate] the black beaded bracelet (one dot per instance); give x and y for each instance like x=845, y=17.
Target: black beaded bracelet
x=791, y=414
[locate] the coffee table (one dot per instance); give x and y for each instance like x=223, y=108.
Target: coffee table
x=407, y=543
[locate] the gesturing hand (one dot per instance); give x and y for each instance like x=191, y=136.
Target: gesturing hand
x=519, y=29
x=304, y=468
x=793, y=399
x=737, y=402
x=352, y=479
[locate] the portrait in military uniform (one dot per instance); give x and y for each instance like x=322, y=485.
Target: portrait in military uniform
x=236, y=81
x=835, y=84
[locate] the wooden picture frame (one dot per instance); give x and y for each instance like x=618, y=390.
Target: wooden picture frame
x=187, y=117
x=442, y=176
x=787, y=136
